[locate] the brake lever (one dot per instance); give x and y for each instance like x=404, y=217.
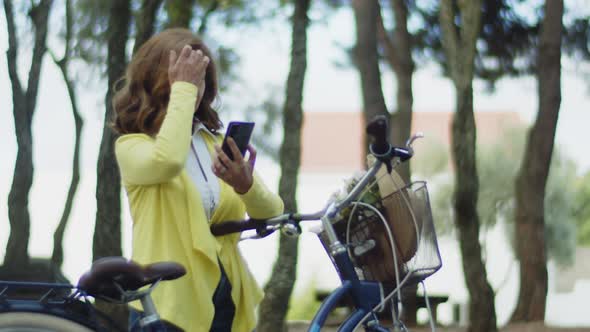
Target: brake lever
x=291, y=228
x=263, y=231
x=411, y=140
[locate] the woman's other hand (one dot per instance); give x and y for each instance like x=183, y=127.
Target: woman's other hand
x=238, y=172
x=190, y=66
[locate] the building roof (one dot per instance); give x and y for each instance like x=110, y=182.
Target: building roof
x=333, y=141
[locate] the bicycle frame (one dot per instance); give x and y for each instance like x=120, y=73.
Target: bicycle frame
x=366, y=296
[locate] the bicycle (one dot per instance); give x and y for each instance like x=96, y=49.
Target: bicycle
x=353, y=247
x=359, y=247
x=64, y=307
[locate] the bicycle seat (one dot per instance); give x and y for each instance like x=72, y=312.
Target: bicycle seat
x=109, y=272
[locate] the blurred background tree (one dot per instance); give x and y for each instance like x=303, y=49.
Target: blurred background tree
x=107, y=234
x=532, y=177
x=582, y=209
x=279, y=288
x=24, y=102
x=57, y=256
x=459, y=43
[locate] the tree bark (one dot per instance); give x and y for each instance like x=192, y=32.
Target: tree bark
x=24, y=103
x=57, y=255
x=532, y=177
x=145, y=22
x=180, y=13
x=460, y=50
x=398, y=52
x=280, y=286
x=366, y=58
x=482, y=314
x=206, y=16
x=107, y=234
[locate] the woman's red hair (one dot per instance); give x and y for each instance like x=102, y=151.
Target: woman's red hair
x=140, y=104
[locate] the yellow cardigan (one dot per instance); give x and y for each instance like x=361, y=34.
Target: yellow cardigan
x=169, y=222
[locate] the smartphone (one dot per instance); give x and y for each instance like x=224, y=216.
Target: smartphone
x=241, y=133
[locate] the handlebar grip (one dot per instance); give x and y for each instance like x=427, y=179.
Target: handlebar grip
x=229, y=227
x=377, y=128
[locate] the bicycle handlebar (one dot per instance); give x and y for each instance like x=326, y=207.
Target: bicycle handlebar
x=228, y=227
x=378, y=130
x=381, y=148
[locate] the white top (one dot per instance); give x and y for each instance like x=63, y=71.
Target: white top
x=198, y=166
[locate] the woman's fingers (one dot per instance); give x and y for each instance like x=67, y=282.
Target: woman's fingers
x=252, y=157
x=172, y=58
x=238, y=158
x=194, y=57
x=185, y=53
x=202, y=62
x=222, y=157
x=237, y=173
x=218, y=168
x=189, y=66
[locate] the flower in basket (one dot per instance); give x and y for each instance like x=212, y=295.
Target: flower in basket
x=370, y=195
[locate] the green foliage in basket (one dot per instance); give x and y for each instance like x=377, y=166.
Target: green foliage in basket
x=370, y=194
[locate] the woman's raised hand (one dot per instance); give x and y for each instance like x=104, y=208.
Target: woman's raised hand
x=190, y=66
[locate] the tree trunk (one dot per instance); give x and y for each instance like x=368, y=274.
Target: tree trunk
x=107, y=234
x=57, y=255
x=482, y=314
x=532, y=178
x=460, y=50
x=401, y=121
x=213, y=6
x=24, y=103
x=366, y=58
x=278, y=291
x=180, y=13
x=398, y=52
x=145, y=22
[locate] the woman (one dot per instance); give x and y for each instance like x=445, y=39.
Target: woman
x=179, y=181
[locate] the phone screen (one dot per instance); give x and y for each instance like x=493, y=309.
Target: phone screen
x=241, y=133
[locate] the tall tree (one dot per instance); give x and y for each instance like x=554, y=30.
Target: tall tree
x=366, y=58
x=145, y=22
x=532, y=178
x=57, y=256
x=398, y=53
x=107, y=234
x=209, y=10
x=459, y=43
x=24, y=103
x=280, y=286
x=397, y=46
x=180, y=13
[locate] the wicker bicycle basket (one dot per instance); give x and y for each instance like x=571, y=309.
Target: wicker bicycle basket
x=406, y=224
